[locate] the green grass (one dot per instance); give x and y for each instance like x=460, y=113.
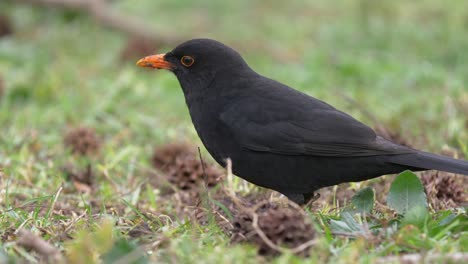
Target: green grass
x=405, y=63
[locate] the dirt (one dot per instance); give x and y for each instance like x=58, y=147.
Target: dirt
x=188, y=173
x=83, y=141
x=284, y=226
x=165, y=156
x=182, y=167
x=444, y=190
x=6, y=27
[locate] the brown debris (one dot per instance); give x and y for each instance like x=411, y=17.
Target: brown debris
x=137, y=48
x=5, y=26
x=444, y=190
x=182, y=167
x=8, y=235
x=283, y=227
x=207, y=211
x=82, y=140
x=187, y=173
x=164, y=157
x=203, y=216
x=83, y=180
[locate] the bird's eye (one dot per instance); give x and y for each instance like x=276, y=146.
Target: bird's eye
x=187, y=61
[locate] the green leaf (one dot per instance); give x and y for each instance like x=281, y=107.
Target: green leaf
x=339, y=226
x=416, y=216
x=348, y=218
x=347, y=224
x=364, y=200
x=406, y=193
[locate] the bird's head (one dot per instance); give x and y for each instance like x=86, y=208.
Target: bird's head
x=196, y=62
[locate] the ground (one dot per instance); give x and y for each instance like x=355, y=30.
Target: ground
x=80, y=125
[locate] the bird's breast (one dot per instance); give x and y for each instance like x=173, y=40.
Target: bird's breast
x=216, y=137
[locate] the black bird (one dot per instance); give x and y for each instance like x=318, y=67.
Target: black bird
x=278, y=137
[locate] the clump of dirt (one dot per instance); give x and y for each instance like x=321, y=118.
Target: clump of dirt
x=82, y=141
x=284, y=226
x=164, y=157
x=444, y=190
x=182, y=168
x=5, y=26
x=188, y=173
x=83, y=180
x=137, y=48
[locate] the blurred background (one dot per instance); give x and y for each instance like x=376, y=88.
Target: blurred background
x=400, y=66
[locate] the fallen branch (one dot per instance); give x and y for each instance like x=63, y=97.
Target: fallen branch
x=102, y=12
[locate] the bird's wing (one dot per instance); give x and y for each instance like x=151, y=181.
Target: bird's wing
x=308, y=128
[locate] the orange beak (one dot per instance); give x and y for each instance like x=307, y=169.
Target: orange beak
x=155, y=61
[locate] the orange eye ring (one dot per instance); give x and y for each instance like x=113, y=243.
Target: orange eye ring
x=187, y=61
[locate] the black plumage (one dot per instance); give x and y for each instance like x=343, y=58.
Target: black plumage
x=278, y=137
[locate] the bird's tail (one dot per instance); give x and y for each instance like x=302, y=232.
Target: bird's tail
x=429, y=161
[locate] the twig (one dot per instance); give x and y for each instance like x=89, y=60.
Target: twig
x=169, y=219
x=74, y=221
x=260, y=232
x=304, y=246
x=270, y=243
x=223, y=218
x=253, y=212
x=33, y=242
x=205, y=178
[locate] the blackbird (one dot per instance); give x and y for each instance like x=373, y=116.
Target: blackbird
x=278, y=137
